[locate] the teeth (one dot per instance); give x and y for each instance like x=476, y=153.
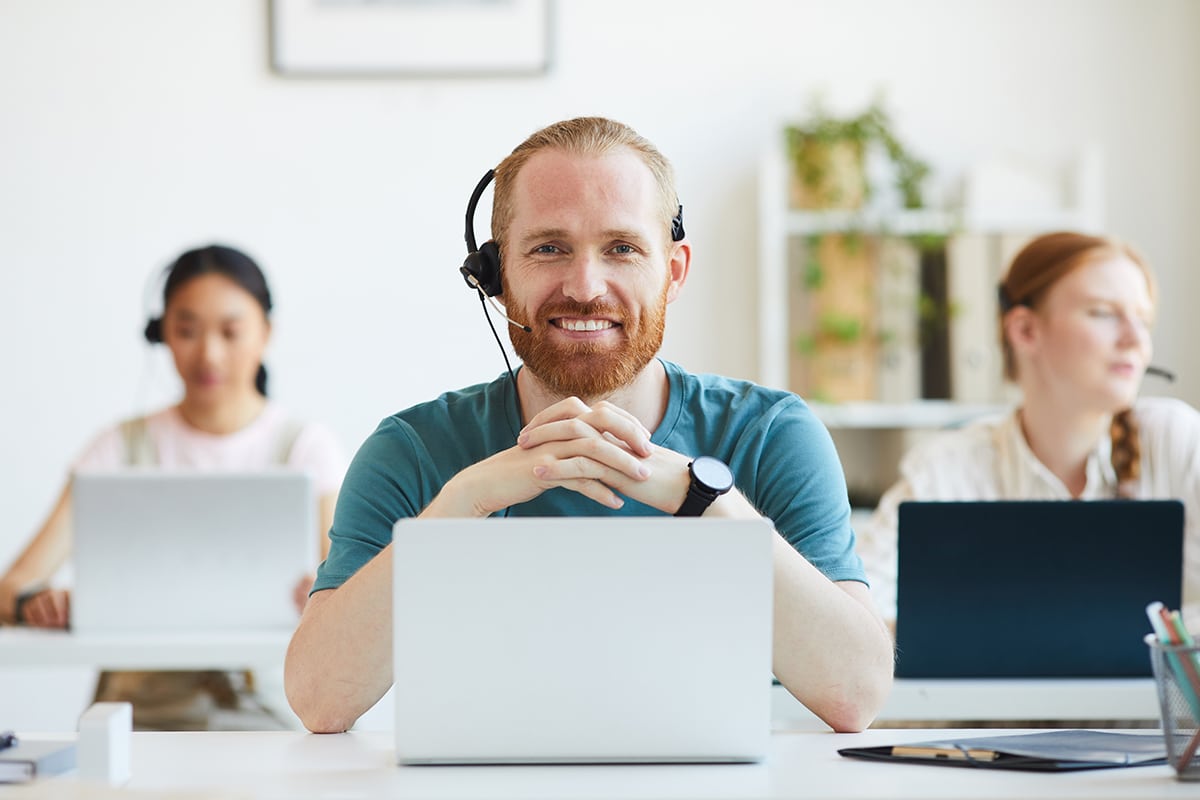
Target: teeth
x=586, y=324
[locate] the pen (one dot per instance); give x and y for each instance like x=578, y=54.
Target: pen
x=7, y=739
x=926, y=751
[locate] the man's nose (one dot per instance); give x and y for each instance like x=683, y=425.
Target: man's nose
x=585, y=279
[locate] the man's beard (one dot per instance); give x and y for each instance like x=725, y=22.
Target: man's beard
x=590, y=370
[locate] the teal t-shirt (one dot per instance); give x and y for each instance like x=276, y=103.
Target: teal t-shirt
x=782, y=459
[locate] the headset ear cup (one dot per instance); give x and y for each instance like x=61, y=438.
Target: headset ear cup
x=153, y=331
x=481, y=270
x=489, y=268
x=677, y=231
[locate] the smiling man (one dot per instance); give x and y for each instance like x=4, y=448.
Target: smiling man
x=591, y=244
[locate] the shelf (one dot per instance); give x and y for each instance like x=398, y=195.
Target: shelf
x=908, y=222
x=918, y=414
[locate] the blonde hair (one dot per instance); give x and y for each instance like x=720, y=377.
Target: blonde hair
x=592, y=136
x=1036, y=268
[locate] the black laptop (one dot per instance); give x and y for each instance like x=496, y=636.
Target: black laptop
x=1033, y=588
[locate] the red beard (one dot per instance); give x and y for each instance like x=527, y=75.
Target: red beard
x=589, y=370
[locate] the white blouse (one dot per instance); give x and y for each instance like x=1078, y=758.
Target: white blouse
x=990, y=460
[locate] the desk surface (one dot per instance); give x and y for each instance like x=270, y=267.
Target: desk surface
x=966, y=699
x=800, y=764
x=32, y=647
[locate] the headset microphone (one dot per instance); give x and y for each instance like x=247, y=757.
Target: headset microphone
x=473, y=281
x=1160, y=372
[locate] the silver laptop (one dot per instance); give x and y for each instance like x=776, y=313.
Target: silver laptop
x=582, y=639
x=189, y=552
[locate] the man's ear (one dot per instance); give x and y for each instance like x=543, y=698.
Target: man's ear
x=679, y=262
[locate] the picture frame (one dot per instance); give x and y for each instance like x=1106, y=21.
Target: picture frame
x=410, y=38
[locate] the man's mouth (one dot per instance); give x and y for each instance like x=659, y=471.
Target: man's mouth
x=582, y=325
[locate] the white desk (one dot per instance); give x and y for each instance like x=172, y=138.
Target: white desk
x=352, y=765
x=967, y=699
x=47, y=677
x=31, y=647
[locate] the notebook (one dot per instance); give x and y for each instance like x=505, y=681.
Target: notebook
x=189, y=552
x=1033, y=588
x=582, y=640
x=1044, y=751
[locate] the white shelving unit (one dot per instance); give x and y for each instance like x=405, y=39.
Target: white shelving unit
x=929, y=414
x=871, y=437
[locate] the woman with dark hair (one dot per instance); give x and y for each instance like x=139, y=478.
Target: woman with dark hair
x=215, y=322
x=1075, y=319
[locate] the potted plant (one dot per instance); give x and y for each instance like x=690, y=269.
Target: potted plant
x=842, y=340
x=828, y=158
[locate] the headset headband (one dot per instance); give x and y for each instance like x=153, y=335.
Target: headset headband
x=474, y=201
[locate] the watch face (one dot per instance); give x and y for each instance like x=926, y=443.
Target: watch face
x=712, y=473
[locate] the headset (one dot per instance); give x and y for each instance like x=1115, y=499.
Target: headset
x=481, y=269
x=154, y=322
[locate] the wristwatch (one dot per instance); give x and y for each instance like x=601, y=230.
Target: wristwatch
x=711, y=478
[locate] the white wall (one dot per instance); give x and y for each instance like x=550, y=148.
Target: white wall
x=130, y=129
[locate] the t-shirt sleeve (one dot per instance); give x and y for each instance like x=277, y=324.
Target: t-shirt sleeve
x=104, y=452
x=381, y=486
x=801, y=488
x=319, y=454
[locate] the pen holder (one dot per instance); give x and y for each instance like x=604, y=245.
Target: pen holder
x=1177, y=678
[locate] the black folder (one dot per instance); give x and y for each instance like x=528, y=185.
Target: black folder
x=1046, y=751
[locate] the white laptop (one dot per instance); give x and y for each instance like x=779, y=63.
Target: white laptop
x=189, y=552
x=581, y=640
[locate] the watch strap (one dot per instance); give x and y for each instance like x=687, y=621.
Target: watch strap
x=697, y=501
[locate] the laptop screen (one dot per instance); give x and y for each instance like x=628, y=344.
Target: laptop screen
x=1033, y=588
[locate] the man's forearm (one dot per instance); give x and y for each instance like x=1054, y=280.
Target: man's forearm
x=339, y=662
x=831, y=650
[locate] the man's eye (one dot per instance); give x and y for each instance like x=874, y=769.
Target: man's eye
x=624, y=250
x=545, y=249
x=1101, y=313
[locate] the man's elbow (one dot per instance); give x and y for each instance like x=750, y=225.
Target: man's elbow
x=853, y=709
x=848, y=717
x=316, y=711
x=324, y=721
x=308, y=694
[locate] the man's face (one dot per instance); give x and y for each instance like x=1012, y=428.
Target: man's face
x=589, y=266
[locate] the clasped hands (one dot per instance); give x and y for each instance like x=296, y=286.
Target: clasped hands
x=601, y=451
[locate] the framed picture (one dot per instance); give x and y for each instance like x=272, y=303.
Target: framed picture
x=417, y=38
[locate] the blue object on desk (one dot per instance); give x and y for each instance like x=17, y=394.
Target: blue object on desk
x=1033, y=588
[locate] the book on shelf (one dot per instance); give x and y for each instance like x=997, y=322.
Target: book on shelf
x=975, y=265
x=898, y=297
x=834, y=347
